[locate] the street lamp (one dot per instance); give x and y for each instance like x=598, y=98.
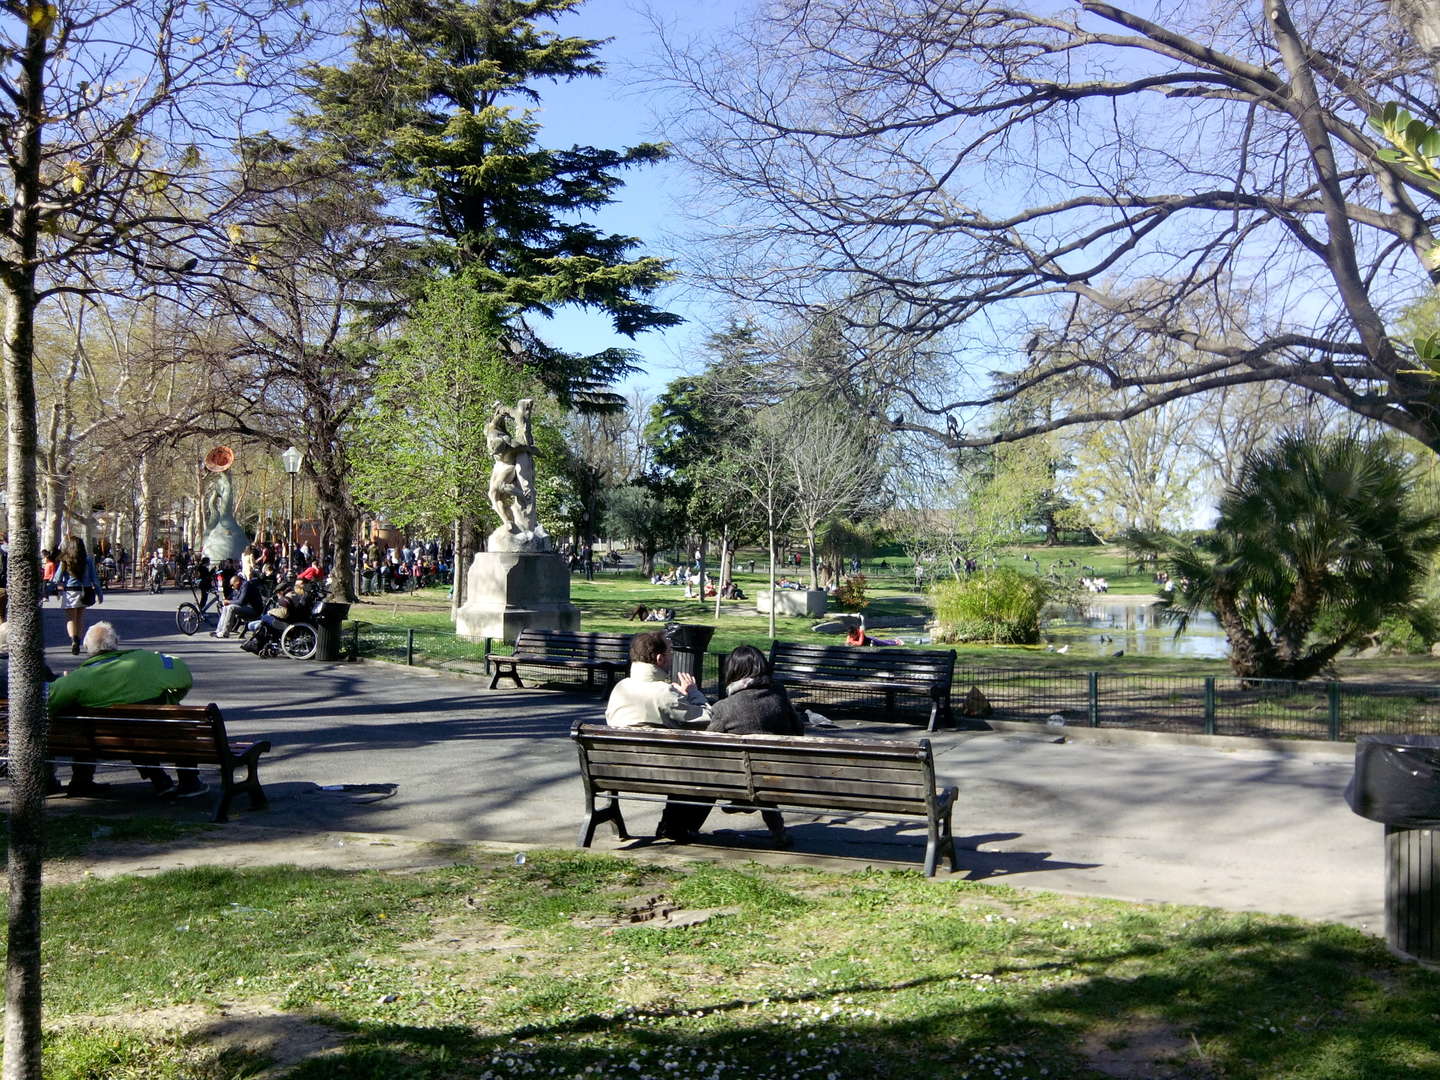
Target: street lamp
x=291, y=460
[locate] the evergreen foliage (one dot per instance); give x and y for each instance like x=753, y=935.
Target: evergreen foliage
x=434, y=105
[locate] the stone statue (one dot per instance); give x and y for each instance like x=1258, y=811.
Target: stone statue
x=508, y=436
x=224, y=538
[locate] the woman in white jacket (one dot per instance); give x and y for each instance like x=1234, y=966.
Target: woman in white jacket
x=648, y=698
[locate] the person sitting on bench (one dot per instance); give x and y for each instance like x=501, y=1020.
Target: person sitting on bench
x=648, y=698
x=245, y=603
x=129, y=677
x=752, y=705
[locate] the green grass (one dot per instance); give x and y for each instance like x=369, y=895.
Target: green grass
x=605, y=602
x=499, y=970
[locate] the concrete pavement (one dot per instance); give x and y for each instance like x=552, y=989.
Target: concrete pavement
x=389, y=751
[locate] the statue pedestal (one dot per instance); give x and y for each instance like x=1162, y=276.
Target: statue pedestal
x=507, y=591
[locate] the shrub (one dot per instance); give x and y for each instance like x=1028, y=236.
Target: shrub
x=1000, y=606
x=850, y=593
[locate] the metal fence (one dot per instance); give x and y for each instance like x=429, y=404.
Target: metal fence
x=1205, y=705
x=1188, y=704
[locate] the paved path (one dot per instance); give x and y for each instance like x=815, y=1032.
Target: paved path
x=386, y=751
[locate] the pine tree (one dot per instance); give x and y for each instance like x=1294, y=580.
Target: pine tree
x=435, y=105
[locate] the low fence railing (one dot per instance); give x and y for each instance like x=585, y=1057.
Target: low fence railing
x=1184, y=704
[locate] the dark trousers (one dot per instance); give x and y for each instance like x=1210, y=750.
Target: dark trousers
x=680, y=819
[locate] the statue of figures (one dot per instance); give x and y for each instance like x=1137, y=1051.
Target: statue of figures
x=224, y=538
x=508, y=436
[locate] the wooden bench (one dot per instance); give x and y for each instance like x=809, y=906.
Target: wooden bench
x=882, y=777
x=194, y=734
x=570, y=649
x=886, y=670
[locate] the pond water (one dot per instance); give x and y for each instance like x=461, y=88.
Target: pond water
x=1105, y=628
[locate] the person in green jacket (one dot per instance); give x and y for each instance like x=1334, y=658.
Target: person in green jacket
x=113, y=676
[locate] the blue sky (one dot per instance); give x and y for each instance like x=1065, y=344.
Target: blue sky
x=611, y=112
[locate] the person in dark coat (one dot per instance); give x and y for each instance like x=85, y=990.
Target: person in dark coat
x=753, y=705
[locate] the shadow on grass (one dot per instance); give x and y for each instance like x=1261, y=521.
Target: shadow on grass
x=1253, y=1001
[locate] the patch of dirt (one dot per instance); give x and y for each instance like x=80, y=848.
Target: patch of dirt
x=1146, y=1050
x=238, y=845
x=458, y=935
x=657, y=911
x=287, y=1039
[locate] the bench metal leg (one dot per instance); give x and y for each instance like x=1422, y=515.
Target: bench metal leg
x=611, y=813
x=941, y=838
x=513, y=673
x=250, y=785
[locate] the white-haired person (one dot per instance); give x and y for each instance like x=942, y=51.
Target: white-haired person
x=115, y=676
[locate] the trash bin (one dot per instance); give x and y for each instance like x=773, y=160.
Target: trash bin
x=328, y=617
x=689, y=642
x=1397, y=783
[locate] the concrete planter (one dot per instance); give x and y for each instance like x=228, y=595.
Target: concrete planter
x=792, y=601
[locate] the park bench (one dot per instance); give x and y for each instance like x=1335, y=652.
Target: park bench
x=881, y=777
x=166, y=733
x=569, y=649
x=860, y=669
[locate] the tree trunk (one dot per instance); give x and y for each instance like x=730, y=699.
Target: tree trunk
x=458, y=571
x=814, y=561
x=724, y=568
x=771, y=538
x=27, y=718
x=145, y=522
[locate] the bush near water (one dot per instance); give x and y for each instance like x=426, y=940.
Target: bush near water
x=1000, y=606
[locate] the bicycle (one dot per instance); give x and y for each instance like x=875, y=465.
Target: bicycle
x=191, y=617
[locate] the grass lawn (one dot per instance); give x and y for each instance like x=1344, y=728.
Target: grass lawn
x=605, y=602
x=552, y=966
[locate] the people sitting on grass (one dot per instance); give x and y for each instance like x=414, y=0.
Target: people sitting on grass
x=112, y=676
x=858, y=636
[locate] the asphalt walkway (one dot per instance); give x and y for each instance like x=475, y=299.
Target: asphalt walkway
x=388, y=752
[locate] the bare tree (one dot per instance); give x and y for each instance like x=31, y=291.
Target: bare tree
x=833, y=471
x=933, y=169
x=757, y=465
x=114, y=119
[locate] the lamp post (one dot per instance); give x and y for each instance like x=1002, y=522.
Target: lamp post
x=291, y=459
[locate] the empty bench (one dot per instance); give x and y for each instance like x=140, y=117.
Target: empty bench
x=568, y=649
x=885, y=670
x=886, y=778
x=194, y=734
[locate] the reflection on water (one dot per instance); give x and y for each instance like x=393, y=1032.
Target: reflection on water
x=1136, y=628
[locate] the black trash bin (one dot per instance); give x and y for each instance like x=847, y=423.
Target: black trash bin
x=328, y=617
x=1397, y=783
x=689, y=642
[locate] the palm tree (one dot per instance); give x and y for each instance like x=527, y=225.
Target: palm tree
x=1312, y=534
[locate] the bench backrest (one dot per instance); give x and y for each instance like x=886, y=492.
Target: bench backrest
x=880, y=776
x=169, y=731
x=575, y=645
x=902, y=667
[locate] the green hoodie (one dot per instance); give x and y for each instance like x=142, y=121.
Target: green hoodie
x=126, y=677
